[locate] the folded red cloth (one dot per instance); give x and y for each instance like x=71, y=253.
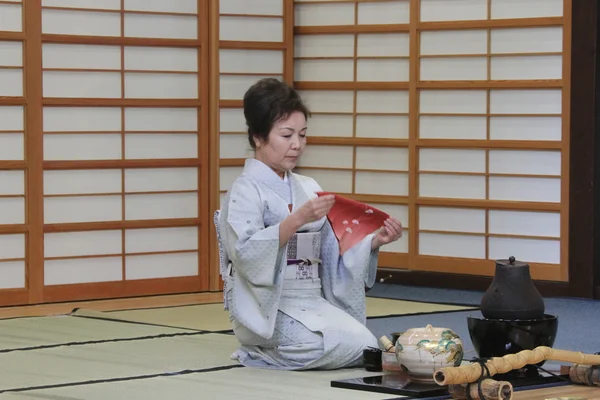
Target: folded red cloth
x=352, y=220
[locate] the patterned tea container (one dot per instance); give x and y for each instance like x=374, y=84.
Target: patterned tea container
x=422, y=351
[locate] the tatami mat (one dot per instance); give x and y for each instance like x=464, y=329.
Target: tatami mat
x=60, y=365
x=157, y=354
x=233, y=384
x=46, y=331
x=212, y=317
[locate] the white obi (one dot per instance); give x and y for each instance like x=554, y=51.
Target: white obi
x=303, y=252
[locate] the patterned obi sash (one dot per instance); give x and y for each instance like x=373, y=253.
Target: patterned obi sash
x=303, y=252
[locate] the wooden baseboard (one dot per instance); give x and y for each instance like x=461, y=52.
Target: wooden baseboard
x=112, y=304
x=460, y=281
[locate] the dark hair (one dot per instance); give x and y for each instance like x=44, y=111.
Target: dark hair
x=266, y=102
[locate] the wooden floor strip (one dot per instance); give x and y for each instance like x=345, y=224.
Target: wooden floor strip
x=112, y=304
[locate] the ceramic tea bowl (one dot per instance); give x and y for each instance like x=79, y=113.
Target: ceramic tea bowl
x=422, y=351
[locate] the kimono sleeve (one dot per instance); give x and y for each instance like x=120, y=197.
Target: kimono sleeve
x=345, y=278
x=253, y=248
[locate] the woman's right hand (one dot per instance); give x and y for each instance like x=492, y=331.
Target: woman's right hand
x=315, y=209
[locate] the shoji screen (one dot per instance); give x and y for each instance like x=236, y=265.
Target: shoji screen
x=125, y=136
x=255, y=41
x=452, y=115
x=352, y=67
x=12, y=155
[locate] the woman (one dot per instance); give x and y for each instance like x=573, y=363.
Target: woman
x=294, y=301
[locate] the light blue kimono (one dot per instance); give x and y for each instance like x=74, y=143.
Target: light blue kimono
x=283, y=323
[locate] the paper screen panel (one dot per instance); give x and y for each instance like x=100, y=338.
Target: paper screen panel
x=514, y=53
x=240, y=69
x=320, y=14
x=452, y=101
x=161, y=193
x=83, y=208
x=12, y=274
x=452, y=245
x=381, y=183
x=169, y=20
x=455, y=127
x=329, y=101
x=12, y=197
x=400, y=212
x=93, y=4
x=382, y=126
x=525, y=223
x=528, y=250
x=320, y=156
x=452, y=232
x=163, y=133
x=139, y=180
x=167, y=26
x=526, y=128
x=81, y=22
x=257, y=7
x=12, y=145
x=12, y=261
x=11, y=67
x=161, y=252
x=501, y=9
x=331, y=112
x=141, y=241
x=11, y=17
x=452, y=173
x=82, y=133
x=446, y=219
x=245, y=28
x=529, y=236
x=453, y=55
x=387, y=182
x=161, y=72
x=227, y=176
x=64, y=252
x=161, y=206
x=388, y=12
x=83, y=244
x=171, y=6
x=533, y=101
x=540, y=179
x=382, y=158
x=527, y=40
x=161, y=266
x=453, y=10
x=323, y=46
x=339, y=181
x=83, y=270
x=82, y=119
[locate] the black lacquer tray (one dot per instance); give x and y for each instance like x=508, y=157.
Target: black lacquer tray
x=400, y=384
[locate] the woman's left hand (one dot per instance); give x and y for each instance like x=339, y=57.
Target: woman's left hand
x=389, y=232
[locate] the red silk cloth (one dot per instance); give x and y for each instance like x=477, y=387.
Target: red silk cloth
x=352, y=220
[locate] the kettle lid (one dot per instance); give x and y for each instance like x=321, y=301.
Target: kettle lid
x=511, y=262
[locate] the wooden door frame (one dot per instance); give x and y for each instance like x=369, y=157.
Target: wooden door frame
x=584, y=182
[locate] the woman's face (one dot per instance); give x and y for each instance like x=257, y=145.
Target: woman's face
x=285, y=144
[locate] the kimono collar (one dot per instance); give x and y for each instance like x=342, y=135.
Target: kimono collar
x=264, y=174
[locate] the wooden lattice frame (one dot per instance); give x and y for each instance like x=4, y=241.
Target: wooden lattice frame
x=412, y=260
x=34, y=227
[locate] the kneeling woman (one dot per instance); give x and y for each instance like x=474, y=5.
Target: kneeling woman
x=294, y=301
